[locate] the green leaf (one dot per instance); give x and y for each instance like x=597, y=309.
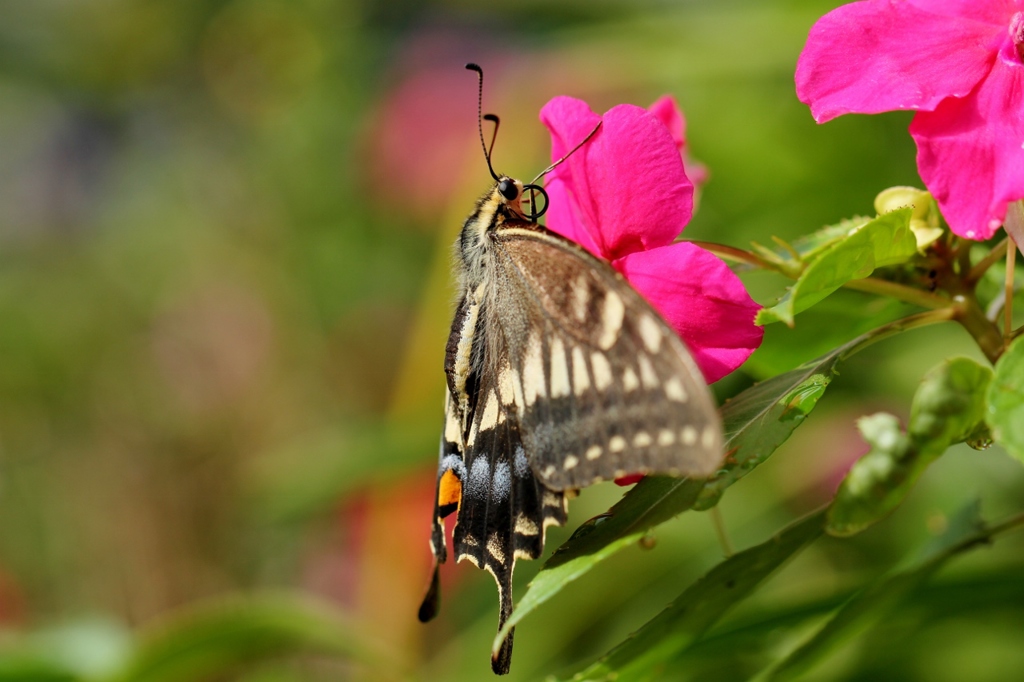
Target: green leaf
x=965, y=532
x=886, y=240
x=763, y=635
x=1005, y=414
x=790, y=258
x=700, y=606
x=595, y=540
x=841, y=317
x=809, y=246
x=948, y=407
x=760, y=419
x=924, y=219
x=756, y=422
x=209, y=641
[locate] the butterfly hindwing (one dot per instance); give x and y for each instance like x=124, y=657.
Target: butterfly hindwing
x=608, y=388
x=505, y=507
x=451, y=473
x=484, y=474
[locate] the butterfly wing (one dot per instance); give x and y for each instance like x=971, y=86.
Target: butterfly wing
x=607, y=388
x=503, y=508
x=451, y=472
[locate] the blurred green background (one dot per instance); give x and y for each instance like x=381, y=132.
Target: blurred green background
x=224, y=295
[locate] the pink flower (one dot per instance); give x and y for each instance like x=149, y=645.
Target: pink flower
x=958, y=64
x=625, y=197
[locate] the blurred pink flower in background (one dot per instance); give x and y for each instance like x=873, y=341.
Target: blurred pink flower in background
x=957, y=63
x=421, y=142
x=421, y=137
x=625, y=197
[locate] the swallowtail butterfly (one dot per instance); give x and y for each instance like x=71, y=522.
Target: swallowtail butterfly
x=559, y=375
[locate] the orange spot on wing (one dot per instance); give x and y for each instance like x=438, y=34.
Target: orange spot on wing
x=450, y=490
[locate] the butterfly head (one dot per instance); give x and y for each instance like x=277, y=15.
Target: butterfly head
x=501, y=204
x=510, y=189
x=515, y=201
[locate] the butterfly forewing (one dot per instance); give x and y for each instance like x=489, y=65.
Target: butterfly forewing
x=608, y=388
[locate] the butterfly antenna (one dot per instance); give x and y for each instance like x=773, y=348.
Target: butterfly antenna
x=480, y=117
x=570, y=153
x=494, y=136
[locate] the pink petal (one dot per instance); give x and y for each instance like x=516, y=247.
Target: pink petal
x=990, y=11
x=626, y=188
x=563, y=213
x=702, y=299
x=669, y=113
x=562, y=216
x=969, y=152
x=879, y=55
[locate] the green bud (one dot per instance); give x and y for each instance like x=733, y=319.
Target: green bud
x=948, y=408
x=924, y=220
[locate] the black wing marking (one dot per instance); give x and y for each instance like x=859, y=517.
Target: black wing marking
x=503, y=508
x=451, y=472
x=608, y=388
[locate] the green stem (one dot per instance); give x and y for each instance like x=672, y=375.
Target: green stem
x=736, y=255
x=720, y=530
x=963, y=307
x=1011, y=272
x=900, y=292
x=1006, y=524
x=901, y=325
x=788, y=247
x=972, y=318
x=963, y=256
x=990, y=259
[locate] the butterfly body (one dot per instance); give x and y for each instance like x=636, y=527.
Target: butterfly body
x=559, y=375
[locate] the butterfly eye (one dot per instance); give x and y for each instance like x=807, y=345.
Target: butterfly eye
x=508, y=189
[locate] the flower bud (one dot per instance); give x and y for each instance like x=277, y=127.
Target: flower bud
x=924, y=220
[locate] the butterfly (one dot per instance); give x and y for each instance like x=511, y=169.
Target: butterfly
x=559, y=375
